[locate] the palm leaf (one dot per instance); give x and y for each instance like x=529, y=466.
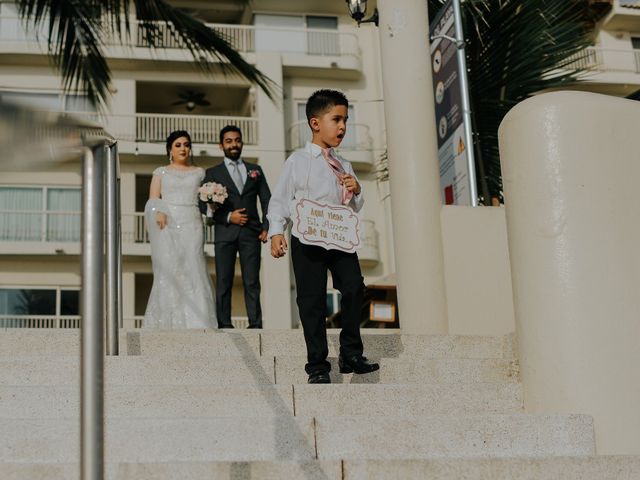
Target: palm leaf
x=78, y=29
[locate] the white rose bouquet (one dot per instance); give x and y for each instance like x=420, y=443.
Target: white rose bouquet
x=213, y=193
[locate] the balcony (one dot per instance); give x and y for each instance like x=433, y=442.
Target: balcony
x=369, y=252
x=357, y=145
x=330, y=50
x=154, y=127
x=624, y=15
x=607, y=60
x=48, y=232
x=135, y=238
x=301, y=47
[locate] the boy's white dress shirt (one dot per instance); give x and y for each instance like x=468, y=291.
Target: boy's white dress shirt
x=307, y=174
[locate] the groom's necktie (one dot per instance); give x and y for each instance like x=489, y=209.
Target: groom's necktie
x=236, y=175
x=338, y=170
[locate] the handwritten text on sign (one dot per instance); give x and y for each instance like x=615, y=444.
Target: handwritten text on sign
x=329, y=226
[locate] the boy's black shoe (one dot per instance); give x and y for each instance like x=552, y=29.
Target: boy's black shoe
x=356, y=364
x=319, y=377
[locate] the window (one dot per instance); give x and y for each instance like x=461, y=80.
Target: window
x=635, y=43
x=49, y=301
x=49, y=214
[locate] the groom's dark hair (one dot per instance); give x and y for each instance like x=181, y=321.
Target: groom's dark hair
x=230, y=128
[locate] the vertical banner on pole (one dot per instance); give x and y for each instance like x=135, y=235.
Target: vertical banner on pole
x=456, y=185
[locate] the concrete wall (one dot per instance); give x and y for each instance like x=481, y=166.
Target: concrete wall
x=573, y=218
x=477, y=275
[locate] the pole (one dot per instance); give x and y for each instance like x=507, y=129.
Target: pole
x=466, y=102
x=119, y=252
x=112, y=257
x=92, y=314
x=414, y=170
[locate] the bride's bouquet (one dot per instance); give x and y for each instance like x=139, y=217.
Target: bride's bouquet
x=212, y=192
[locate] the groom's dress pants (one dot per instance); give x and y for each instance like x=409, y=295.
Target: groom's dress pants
x=248, y=246
x=310, y=265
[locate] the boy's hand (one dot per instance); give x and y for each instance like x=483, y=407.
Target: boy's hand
x=278, y=246
x=351, y=184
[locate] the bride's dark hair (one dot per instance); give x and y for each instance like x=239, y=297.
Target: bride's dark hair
x=173, y=136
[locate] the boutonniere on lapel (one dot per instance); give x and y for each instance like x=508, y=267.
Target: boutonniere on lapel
x=254, y=174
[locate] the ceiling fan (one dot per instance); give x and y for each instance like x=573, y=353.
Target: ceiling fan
x=192, y=99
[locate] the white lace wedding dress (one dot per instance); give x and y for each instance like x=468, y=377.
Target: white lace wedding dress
x=182, y=295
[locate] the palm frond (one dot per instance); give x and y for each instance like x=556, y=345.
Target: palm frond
x=514, y=50
x=78, y=29
x=74, y=42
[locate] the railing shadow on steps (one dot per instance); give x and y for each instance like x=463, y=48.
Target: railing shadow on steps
x=282, y=423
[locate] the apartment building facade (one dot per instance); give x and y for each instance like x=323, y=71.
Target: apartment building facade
x=302, y=46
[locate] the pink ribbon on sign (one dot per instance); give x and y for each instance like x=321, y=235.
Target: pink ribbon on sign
x=338, y=170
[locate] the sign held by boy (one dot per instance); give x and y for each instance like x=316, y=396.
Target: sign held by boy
x=317, y=177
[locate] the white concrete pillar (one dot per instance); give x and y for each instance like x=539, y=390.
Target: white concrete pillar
x=413, y=165
x=275, y=278
x=571, y=172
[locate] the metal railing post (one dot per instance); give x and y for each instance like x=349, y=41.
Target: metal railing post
x=112, y=257
x=92, y=314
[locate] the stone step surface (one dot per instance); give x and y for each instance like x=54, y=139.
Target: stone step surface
x=418, y=370
x=268, y=343
x=548, y=468
x=141, y=370
x=378, y=343
x=565, y=468
x=302, y=438
x=191, y=370
x=195, y=401
x=255, y=470
x=391, y=437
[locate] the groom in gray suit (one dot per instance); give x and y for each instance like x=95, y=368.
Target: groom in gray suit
x=239, y=227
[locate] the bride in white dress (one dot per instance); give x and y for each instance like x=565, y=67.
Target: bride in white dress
x=182, y=295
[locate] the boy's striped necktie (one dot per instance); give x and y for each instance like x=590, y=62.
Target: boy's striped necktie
x=338, y=170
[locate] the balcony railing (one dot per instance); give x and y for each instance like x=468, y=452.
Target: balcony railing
x=244, y=38
x=358, y=137
x=137, y=322
x=134, y=229
x=73, y=321
x=39, y=321
x=250, y=38
x=605, y=60
x=39, y=226
x=48, y=226
x=154, y=127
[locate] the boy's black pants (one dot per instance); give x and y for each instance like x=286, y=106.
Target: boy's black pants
x=310, y=265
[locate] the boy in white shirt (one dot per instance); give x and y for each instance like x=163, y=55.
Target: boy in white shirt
x=318, y=174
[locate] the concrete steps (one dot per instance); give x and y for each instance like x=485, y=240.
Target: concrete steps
x=177, y=370
x=566, y=468
x=235, y=405
x=269, y=343
x=196, y=401
x=302, y=438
